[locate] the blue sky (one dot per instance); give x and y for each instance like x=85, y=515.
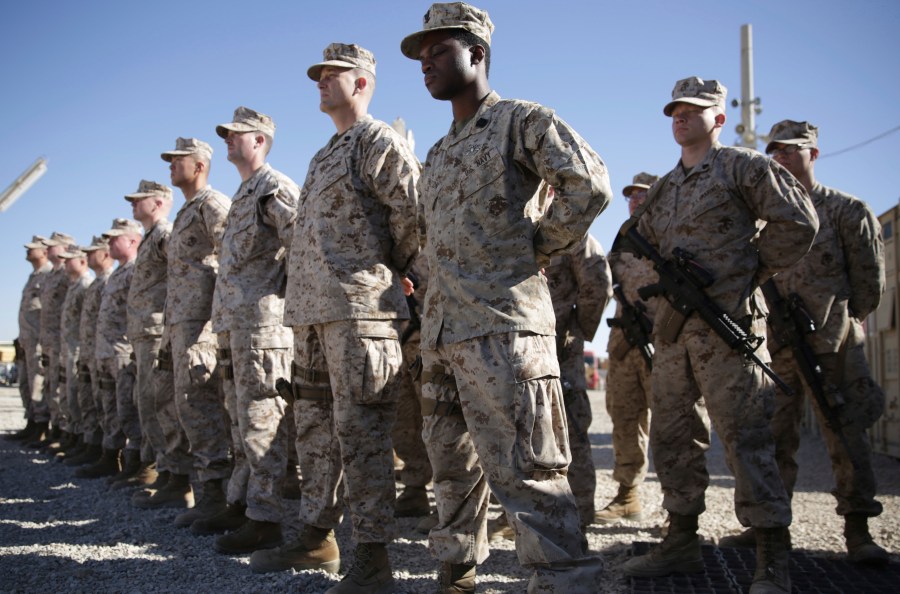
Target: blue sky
x=101, y=88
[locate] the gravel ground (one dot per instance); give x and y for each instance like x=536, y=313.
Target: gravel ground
x=62, y=534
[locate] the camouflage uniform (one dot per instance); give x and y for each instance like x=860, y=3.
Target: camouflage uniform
x=407, y=432
x=489, y=321
x=354, y=239
x=53, y=293
x=70, y=353
x=115, y=369
x=247, y=314
x=154, y=387
x=743, y=218
x=29, y=337
x=841, y=281
x=89, y=387
x=193, y=264
x=580, y=287
x=628, y=393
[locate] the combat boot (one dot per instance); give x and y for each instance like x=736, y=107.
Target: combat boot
x=412, y=503
x=500, y=529
x=76, y=448
x=63, y=442
x=370, y=574
x=315, y=549
x=38, y=434
x=744, y=540
x=90, y=455
x=860, y=546
x=131, y=463
x=23, y=434
x=252, y=536
x=211, y=503
x=678, y=552
x=177, y=493
x=456, y=578
x=145, y=476
x=626, y=505
x=230, y=518
x=106, y=465
x=772, y=559
x=51, y=438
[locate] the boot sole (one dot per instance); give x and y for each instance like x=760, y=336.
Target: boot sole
x=225, y=550
x=638, y=517
x=329, y=566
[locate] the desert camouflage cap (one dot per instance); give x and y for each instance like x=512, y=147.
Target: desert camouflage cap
x=37, y=242
x=451, y=15
x=73, y=251
x=97, y=243
x=791, y=132
x=342, y=55
x=57, y=238
x=188, y=146
x=247, y=120
x=123, y=227
x=149, y=188
x=641, y=181
x=697, y=91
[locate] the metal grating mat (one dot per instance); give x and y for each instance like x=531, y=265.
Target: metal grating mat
x=730, y=571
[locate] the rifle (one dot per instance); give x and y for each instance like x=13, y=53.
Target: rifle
x=790, y=322
x=634, y=323
x=682, y=282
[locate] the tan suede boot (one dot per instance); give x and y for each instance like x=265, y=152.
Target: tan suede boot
x=212, y=502
x=370, y=574
x=252, y=536
x=626, y=505
x=678, y=552
x=772, y=560
x=177, y=493
x=107, y=465
x=457, y=578
x=315, y=549
x=860, y=546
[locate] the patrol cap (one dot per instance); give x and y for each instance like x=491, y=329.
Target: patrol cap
x=73, y=251
x=149, y=188
x=341, y=55
x=123, y=227
x=791, y=132
x=37, y=243
x=445, y=16
x=100, y=242
x=247, y=120
x=696, y=91
x=641, y=181
x=188, y=146
x=58, y=238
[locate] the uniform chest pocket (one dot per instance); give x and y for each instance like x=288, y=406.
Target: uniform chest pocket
x=329, y=173
x=481, y=169
x=707, y=199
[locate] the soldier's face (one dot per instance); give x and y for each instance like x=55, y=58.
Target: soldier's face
x=446, y=64
x=796, y=160
x=635, y=199
x=241, y=146
x=692, y=124
x=336, y=86
x=54, y=252
x=118, y=246
x=182, y=170
x=35, y=254
x=75, y=266
x=95, y=258
x=143, y=209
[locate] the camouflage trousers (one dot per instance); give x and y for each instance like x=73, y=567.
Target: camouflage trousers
x=68, y=390
x=24, y=384
x=199, y=399
x=47, y=408
x=120, y=423
x=91, y=408
x=258, y=357
x=35, y=372
x=407, y=432
x=628, y=397
x=848, y=371
x=507, y=431
x=740, y=400
x=582, y=475
x=164, y=441
x=345, y=381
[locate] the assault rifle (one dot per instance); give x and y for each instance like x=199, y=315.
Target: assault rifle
x=682, y=282
x=635, y=324
x=790, y=322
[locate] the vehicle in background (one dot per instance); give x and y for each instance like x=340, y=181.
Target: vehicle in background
x=591, y=370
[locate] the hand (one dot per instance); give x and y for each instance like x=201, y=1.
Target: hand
x=408, y=288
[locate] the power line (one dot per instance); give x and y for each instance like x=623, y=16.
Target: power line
x=864, y=143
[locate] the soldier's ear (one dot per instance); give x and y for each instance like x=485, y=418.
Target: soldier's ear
x=477, y=54
x=813, y=154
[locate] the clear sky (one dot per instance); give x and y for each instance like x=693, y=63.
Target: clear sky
x=101, y=88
